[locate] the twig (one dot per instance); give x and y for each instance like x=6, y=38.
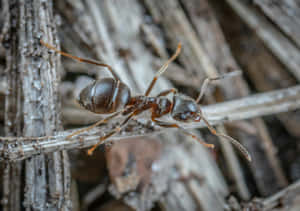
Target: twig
x=249, y=107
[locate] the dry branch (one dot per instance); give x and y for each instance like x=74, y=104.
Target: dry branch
x=245, y=108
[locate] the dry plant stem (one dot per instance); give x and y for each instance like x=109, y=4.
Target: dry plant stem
x=248, y=107
x=270, y=35
x=46, y=176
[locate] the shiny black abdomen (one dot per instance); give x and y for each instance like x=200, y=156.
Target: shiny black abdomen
x=105, y=96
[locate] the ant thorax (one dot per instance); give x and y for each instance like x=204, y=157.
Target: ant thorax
x=160, y=105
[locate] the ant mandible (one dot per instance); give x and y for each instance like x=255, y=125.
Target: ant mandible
x=111, y=95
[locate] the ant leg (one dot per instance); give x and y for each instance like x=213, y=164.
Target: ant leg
x=115, y=75
x=166, y=92
x=116, y=130
x=170, y=125
x=91, y=150
x=207, y=81
x=232, y=140
x=93, y=125
x=163, y=69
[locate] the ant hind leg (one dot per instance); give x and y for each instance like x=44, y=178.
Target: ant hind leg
x=115, y=75
x=93, y=125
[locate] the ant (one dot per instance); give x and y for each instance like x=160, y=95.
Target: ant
x=112, y=96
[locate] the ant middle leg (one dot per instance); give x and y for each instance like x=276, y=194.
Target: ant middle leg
x=102, y=121
x=207, y=81
x=115, y=75
x=114, y=131
x=162, y=70
x=174, y=125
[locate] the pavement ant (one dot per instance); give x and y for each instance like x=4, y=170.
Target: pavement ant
x=112, y=96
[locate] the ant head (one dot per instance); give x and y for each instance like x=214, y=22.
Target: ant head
x=185, y=109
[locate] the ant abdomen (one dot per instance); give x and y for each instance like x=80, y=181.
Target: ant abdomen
x=105, y=96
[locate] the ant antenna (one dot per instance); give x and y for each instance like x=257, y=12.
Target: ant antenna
x=115, y=75
x=207, y=81
x=232, y=140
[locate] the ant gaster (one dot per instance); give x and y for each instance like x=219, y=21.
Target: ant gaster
x=112, y=96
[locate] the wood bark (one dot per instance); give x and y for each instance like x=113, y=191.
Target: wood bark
x=32, y=102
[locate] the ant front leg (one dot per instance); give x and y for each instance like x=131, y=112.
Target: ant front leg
x=170, y=125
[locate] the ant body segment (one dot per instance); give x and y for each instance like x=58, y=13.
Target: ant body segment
x=112, y=96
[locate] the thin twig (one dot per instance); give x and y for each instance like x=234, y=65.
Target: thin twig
x=249, y=107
